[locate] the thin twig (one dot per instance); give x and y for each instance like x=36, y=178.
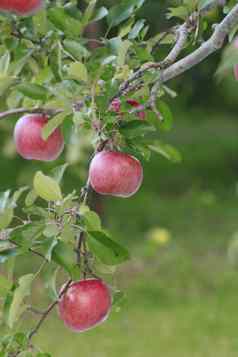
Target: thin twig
x=47, y=312
x=48, y=112
x=215, y=42
x=29, y=249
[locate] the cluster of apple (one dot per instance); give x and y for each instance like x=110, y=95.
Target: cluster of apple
x=85, y=303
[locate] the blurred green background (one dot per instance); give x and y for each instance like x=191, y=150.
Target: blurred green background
x=181, y=284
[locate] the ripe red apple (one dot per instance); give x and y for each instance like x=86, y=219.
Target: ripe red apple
x=115, y=173
x=29, y=142
x=85, y=304
x=21, y=7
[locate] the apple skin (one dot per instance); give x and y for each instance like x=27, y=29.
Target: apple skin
x=21, y=7
x=115, y=173
x=86, y=304
x=116, y=107
x=29, y=143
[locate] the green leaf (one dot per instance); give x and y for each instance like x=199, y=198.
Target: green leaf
x=135, y=128
x=20, y=293
x=33, y=91
x=100, y=14
x=123, y=11
x=49, y=278
x=92, y=221
x=180, y=11
x=6, y=217
x=63, y=254
x=5, y=285
x=17, y=66
x=55, y=61
x=64, y=22
x=136, y=29
x=229, y=60
x=167, y=117
x=76, y=49
x=122, y=52
x=89, y=12
x=4, y=199
x=52, y=124
x=168, y=151
x=40, y=22
x=126, y=28
x=78, y=71
x=49, y=246
x=51, y=230
x=5, y=83
x=58, y=172
x=204, y=3
x=8, y=253
x=106, y=250
x=118, y=296
x=21, y=339
x=16, y=196
x=28, y=234
x=4, y=63
x=30, y=198
x=46, y=187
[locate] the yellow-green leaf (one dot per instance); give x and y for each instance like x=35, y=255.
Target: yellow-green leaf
x=20, y=293
x=78, y=70
x=46, y=187
x=51, y=125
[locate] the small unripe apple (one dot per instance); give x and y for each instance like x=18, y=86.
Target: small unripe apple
x=85, y=304
x=137, y=105
x=21, y=7
x=116, y=107
x=115, y=173
x=29, y=142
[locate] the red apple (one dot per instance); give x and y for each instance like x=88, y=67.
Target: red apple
x=21, y=7
x=29, y=142
x=115, y=173
x=85, y=304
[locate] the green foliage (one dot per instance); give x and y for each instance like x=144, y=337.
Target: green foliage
x=47, y=62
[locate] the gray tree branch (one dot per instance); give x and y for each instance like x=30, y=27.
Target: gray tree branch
x=215, y=42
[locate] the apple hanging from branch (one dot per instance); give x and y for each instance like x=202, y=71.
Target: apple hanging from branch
x=115, y=173
x=29, y=142
x=21, y=7
x=85, y=304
